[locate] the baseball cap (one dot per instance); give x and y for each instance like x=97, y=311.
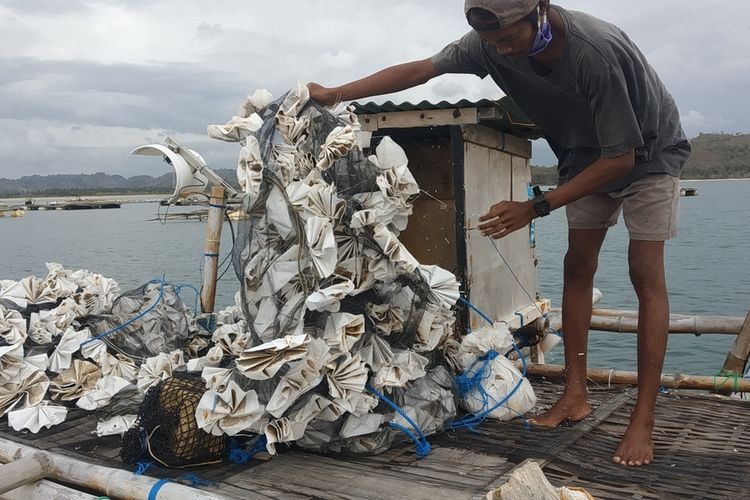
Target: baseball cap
x=506, y=11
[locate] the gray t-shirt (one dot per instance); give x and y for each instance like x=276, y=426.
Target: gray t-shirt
x=603, y=99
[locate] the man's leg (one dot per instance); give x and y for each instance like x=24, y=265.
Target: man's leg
x=579, y=269
x=646, y=260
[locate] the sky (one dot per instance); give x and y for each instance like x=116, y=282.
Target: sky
x=84, y=82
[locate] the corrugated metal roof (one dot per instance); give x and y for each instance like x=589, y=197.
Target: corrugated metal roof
x=510, y=120
x=390, y=106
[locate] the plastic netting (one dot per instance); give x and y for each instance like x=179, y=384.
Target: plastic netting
x=318, y=257
x=144, y=322
x=166, y=430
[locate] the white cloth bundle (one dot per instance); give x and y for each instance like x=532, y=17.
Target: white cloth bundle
x=12, y=326
x=74, y=381
x=405, y=365
x=28, y=389
x=263, y=361
x=236, y=129
x=228, y=412
x=498, y=376
x=101, y=395
x=35, y=417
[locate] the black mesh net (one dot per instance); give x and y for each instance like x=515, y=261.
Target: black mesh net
x=144, y=322
x=166, y=429
x=309, y=178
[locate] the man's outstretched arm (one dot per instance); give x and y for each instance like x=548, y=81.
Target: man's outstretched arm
x=508, y=216
x=391, y=79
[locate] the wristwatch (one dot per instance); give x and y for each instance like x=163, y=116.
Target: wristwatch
x=541, y=205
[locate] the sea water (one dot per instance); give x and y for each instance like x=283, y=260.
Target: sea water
x=707, y=264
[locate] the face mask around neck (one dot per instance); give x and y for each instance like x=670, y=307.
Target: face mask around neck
x=543, y=37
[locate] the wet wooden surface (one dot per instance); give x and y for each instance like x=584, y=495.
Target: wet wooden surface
x=702, y=451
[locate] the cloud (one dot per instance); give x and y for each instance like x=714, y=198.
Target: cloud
x=79, y=73
x=42, y=147
x=695, y=120
x=341, y=59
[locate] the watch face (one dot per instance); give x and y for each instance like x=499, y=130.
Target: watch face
x=541, y=207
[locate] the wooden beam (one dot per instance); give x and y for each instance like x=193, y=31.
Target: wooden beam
x=526, y=315
x=216, y=208
x=500, y=141
x=740, y=350
x=492, y=113
x=411, y=119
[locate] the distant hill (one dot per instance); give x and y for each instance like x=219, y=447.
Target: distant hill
x=714, y=156
x=719, y=156
x=91, y=184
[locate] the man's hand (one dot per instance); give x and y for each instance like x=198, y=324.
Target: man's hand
x=322, y=95
x=506, y=217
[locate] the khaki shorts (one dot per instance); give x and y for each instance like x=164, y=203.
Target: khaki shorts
x=650, y=207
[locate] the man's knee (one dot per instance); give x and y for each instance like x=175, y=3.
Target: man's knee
x=646, y=268
x=579, y=267
x=648, y=282
x=583, y=253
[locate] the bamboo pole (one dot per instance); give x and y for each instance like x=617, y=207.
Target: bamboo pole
x=114, y=483
x=608, y=320
x=23, y=471
x=46, y=490
x=613, y=312
x=678, y=323
x=216, y=207
x=603, y=376
x=740, y=350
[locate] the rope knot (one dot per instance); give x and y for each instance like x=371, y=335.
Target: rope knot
x=423, y=448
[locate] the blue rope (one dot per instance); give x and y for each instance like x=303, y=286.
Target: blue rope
x=190, y=478
x=131, y=320
x=532, y=225
x=423, y=447
x=240, y=455
x=471, y=421
x=194, y=480
x=156, y=487
x=178, y=288
x=476, y=310
x=142, y=467
x=471, y=381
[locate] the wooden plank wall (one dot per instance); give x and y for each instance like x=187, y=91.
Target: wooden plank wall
x=491, y=175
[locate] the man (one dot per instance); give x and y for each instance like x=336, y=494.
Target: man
x=620, y=146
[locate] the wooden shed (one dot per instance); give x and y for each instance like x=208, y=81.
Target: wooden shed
x=467, y=156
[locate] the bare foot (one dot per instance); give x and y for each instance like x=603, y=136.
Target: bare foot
x=572, y=408
x=636, y=447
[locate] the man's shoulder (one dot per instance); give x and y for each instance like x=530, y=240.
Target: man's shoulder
x=594, y=40
x=470, y=40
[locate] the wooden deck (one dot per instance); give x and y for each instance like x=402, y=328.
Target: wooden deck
x=702, y=447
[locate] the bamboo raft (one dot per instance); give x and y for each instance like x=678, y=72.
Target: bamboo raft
x=702, y=445
x=702, y=451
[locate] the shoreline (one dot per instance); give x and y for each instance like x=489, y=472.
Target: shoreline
x=156, y=198
x=125, y=198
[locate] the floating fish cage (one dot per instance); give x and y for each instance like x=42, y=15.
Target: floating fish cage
x=466, y=156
